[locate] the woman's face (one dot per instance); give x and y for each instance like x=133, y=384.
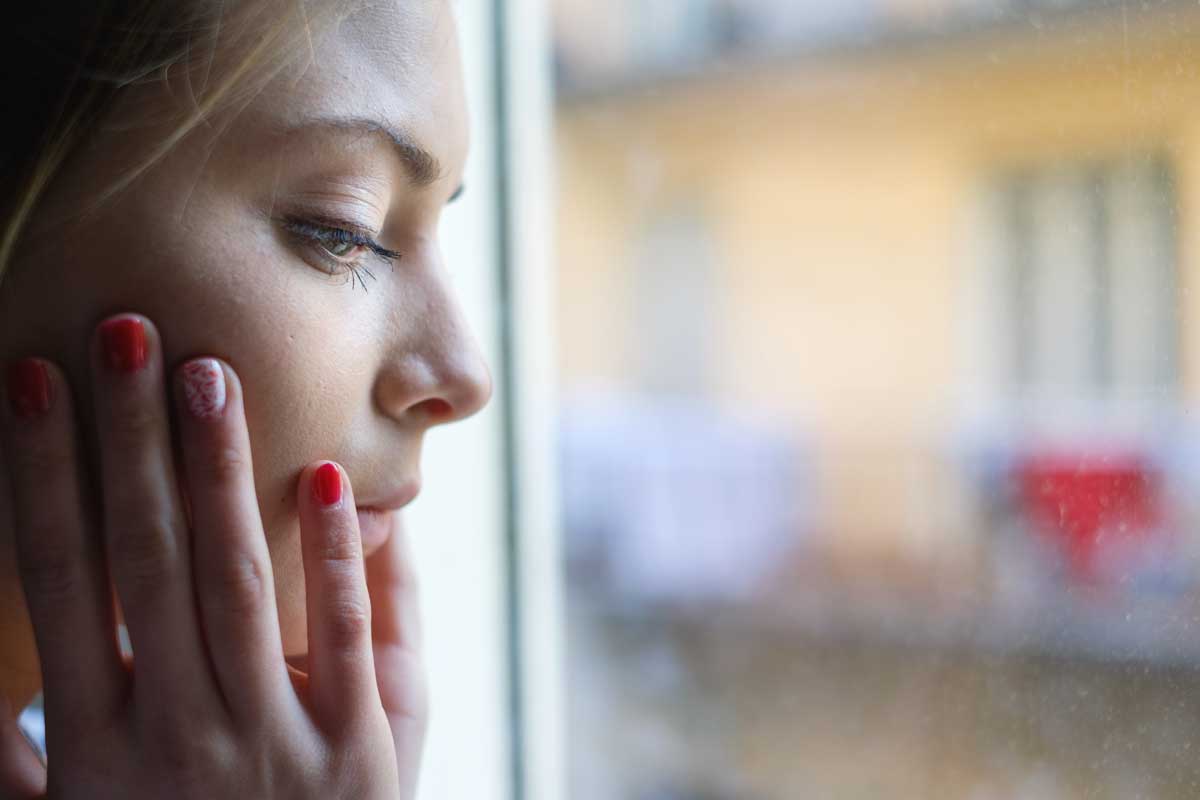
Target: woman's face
x=225, y=246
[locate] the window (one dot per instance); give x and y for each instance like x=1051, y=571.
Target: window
x=877, y=377
x=1089, y=252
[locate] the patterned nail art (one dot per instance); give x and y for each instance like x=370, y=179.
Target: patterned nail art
x=204, y=388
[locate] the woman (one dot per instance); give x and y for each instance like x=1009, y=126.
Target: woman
x=219, y=238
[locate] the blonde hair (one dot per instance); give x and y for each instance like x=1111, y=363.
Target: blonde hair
x=79, y=72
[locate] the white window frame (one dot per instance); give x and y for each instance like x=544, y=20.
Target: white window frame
x=484, y=531
x=1006, y=385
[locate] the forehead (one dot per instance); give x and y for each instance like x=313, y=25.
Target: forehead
x=396, y=61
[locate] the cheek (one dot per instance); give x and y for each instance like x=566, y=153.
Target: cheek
x=226, y=289
x=287, y=570
x=303, y=397
x=298, y=340
x=298, y=410
x=280, y=329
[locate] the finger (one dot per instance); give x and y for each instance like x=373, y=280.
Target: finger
x=341, y=670
x=396, y=642
x=145, y=527
x=392, y=583
x=60, y=556
x=395, y=622
x=231, y=563
x=22, y=773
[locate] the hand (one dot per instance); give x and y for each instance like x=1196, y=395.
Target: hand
x=207, y=707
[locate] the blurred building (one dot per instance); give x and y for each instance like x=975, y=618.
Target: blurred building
x=951, y=245
x=886, y=311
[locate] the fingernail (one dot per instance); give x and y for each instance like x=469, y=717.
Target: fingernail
x=28, y=388
x=204, y=388
x=124, y=342
x=327, y=485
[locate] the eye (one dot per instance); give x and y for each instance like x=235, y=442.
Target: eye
x=339, y=249
x=342, y=246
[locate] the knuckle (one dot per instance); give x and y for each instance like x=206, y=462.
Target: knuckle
x=50, y=569
x=144, y=555
x=133, y=424
x=236, y=586
x=224, y=465
x=88, y=727
x=350, y=764
x=39, y=458
x=348, y=623
x=190, y=756
x=341, y=545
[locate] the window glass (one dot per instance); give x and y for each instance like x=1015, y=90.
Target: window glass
x=879, y=358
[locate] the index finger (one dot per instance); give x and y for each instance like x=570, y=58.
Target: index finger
x=341, y=671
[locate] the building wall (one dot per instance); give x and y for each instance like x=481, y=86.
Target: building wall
x=841, y=195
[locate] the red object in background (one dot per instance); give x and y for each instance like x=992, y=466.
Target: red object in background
x=1087, y=503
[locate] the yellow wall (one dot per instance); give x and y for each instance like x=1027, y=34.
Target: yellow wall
x=840, y=192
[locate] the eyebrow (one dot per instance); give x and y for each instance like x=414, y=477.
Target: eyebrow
x=423, y=167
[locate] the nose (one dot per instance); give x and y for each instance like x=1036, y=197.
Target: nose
x=435, y=372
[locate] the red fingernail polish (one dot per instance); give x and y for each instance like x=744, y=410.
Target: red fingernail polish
x=28, y=388
x=327, y=485
x=124, y=343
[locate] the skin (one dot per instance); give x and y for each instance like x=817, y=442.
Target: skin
x=329, y=369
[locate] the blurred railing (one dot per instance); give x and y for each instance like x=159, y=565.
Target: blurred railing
x=672, y=512
x=666, y=503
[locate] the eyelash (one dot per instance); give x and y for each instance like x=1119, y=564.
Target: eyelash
x=333, y=232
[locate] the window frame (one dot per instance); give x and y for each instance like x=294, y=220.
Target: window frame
x=484, y=532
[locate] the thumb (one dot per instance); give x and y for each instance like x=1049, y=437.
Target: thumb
x=396, y=643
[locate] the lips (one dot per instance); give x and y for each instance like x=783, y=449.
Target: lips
x=393, y=501
x=377, y=517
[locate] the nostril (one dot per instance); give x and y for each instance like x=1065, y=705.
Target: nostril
x=438, y=409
